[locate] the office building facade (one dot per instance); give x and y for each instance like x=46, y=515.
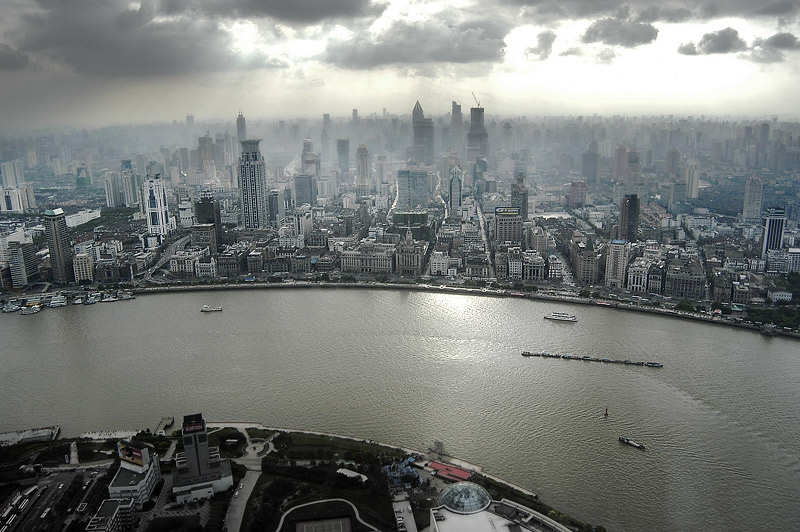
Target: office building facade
x=252, y=180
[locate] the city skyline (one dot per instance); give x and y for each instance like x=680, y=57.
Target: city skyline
x=92, y=63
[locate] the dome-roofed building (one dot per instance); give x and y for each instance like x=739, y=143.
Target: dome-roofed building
x=465, y=498
x=468, y=507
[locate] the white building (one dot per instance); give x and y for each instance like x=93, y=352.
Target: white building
x=83, y=264
x=617, y=263
x=138, y=474
x=156, y=208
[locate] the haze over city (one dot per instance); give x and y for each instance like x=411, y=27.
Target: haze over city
x=93, y=62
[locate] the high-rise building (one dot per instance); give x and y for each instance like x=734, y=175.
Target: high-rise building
x=619, y=170
x=138, y=475
x=455, y=188
x=577, y=194
x=774, y=227
x=753, y=197
x=277, y=209
x=252, y=180
x=343, y=154
x=23, y=263
x=207, y=211
x=692, y=178
x=241, y=127
x=628, y=228
x=633, y=174
x=617, y=263
x=305, y=190
x=362, y=170
x=55, y=225
x=422, y=143
x=156, y=208
x=507, y=224
x=477, y=136
x=412, y=188
x=456, y=129
x=115, y=196
x=12, y=174
x=519, y=195
x=590, y=164
x=672, y=163
x=199, y=471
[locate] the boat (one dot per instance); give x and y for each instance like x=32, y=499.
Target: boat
x=11, y=307
x=654, y=364
x=207, y=308
x=32, y=309
x=92, y=299
x=527, y=354
x=125, y=296
x=108, y=298
x=632, y=443
x=58, y=301
x=78, y=301
x=606, y=414
x=561, y=316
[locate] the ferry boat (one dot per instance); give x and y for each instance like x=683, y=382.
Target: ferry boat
x=632, y=443
x=207, y=308
x=561, y=316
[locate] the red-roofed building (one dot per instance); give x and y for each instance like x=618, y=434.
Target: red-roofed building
x=450, y=472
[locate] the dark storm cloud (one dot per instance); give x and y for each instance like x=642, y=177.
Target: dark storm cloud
x=290, y=11
x=433, y=41
x=99, y=38
x=648, y=11
x=717, y=42
x=652, y=14
x=544, y=45
x=771, y=49
x=620, y=31
x=11, y=59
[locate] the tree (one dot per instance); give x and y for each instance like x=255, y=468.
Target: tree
x=684, y=306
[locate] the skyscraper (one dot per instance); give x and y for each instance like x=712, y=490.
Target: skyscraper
x=629, y=218
x=692, y=176
x=412, y=188
x=241, y=127
x=590, y=164
x=55, y=225
x=363, y=167
x=343, y=153
x=672, y=163
x=774, y=226
x=456, y=129
x=617, y=263
x=455, y=188
x=156, y=207
x=753, y=197
x=519, y=195
x=305, y=190
x=619, y=170
x=422, y=143
x=252, y=179
x=207, y=211
x=477, y=136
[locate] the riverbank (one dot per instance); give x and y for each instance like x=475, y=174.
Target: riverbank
x=483, y=292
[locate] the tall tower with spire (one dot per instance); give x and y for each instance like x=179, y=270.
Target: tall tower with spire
x=241, y=127
x=422, y=143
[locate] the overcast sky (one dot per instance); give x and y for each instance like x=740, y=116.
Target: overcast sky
x=97, y=62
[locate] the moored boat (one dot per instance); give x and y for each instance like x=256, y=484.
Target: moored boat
x=32, y=309
x=654, y=364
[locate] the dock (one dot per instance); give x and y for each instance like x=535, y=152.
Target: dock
x=164, y=424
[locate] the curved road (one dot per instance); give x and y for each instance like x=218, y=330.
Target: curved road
x=358, y=516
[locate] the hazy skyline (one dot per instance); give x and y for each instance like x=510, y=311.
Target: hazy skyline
x=99, y=62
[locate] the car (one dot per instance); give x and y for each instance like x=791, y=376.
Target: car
x=241, y=485
x=236, y=494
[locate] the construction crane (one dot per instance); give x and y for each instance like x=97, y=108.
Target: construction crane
x=476, y=99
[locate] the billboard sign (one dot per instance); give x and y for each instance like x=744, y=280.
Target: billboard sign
x=129, y=453
x=506, y=211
